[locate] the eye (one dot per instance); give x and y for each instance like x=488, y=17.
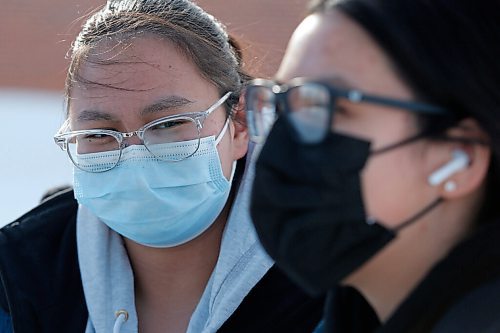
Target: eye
x=344, y=108
x=96, y=138
x=173, y=130
x=169, y=124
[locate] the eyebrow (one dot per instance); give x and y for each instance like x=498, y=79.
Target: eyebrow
x=164, y=104
x=92, y=115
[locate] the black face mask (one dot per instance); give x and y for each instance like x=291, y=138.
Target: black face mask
x=308, y=210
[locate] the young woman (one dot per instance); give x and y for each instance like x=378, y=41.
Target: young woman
x=159, y=238
x=378, y=181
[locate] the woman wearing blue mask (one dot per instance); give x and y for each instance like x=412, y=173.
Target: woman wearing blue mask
x=378, y=180
x=158, y=238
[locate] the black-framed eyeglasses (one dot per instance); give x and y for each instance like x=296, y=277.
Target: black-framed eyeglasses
x=309, y=106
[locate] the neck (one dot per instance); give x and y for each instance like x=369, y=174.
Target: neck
x=386, y=288
x=169, y=282
x=390, y=276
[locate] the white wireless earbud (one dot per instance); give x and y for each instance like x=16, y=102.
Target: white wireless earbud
x=459, y=161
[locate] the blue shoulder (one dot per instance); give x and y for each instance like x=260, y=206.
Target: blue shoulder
x=476, y=312
x=5, y=322
x=320, y=328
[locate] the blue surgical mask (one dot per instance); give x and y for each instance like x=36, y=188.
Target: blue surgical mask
x=157, y=203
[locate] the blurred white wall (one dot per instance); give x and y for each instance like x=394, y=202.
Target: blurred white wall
x=30, y=161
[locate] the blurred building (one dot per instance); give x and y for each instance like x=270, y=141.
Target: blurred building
x=35, y=36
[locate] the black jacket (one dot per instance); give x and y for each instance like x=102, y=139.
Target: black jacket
x=460, y=294
x=42, y=290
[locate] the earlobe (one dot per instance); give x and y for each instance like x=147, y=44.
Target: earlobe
x=240, y=140
x=239, y=131
x=450, y=186
x=477, y=154
x=467, y=171
x=471, y=178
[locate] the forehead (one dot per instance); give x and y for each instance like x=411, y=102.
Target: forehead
x=139, y=61
x=135, y=71
x=330, y=45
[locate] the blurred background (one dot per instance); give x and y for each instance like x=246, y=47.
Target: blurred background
x=35, y=36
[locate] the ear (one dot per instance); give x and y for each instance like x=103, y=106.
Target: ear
x=472, y=177
x=239, y=130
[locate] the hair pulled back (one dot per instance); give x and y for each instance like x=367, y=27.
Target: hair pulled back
x=196, y=33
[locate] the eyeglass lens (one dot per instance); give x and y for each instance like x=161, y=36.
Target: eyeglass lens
x=307, y=110
x=261, y=111
x=100, y=151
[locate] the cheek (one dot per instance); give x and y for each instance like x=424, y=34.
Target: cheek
x=393, y=186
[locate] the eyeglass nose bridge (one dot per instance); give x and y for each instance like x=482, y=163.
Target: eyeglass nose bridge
x=279, y=97
x=199, y=121
x=138, y=133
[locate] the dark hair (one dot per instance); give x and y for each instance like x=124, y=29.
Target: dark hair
x=196, y=33
x=448, y=52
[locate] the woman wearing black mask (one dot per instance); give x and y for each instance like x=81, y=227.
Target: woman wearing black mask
x=377, y=182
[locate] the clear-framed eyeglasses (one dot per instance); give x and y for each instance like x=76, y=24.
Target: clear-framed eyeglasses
x=86, y=148
x=309, y=107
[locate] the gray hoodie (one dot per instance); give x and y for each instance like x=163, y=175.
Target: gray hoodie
x=108, y=280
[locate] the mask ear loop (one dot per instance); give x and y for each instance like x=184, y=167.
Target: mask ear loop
x=417, y=216
x=218, y=139
x=434, y=203
x=409, y=140
x=233, y=171
x=426, y=209
x=222, y=132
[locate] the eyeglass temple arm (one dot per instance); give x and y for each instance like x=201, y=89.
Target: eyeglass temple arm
x=357, y=96
x=221, y=101
x=59, y=139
